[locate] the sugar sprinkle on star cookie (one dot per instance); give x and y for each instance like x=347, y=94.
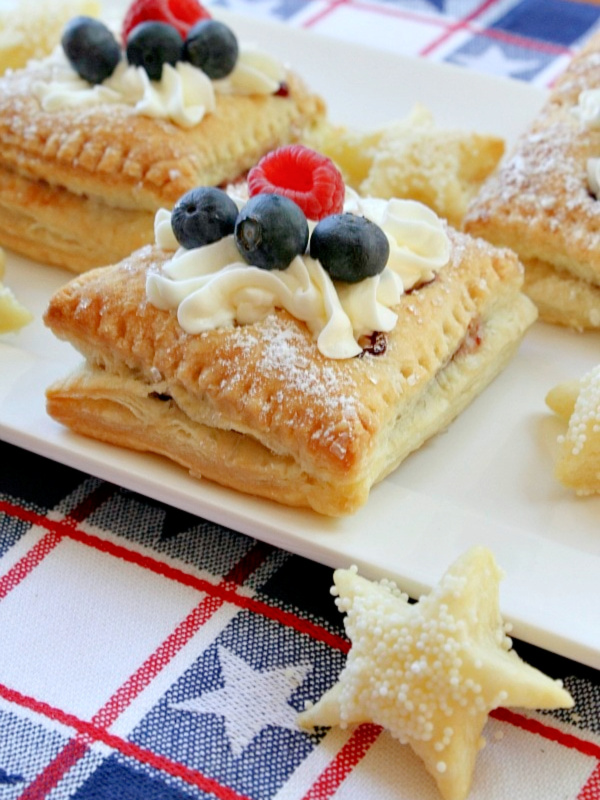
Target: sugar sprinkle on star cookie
x=431, y=672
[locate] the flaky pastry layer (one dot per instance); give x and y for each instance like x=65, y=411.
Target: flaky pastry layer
x=539, y=203
x=257, y=407
x=79, y=187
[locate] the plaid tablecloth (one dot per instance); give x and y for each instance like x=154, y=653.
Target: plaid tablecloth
x=146, y=654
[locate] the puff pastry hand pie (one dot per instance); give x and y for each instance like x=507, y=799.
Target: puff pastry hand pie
x=543, y=202
x=84, y=168
x=283, y=383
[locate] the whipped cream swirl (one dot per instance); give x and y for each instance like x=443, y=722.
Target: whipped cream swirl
x=593, y=176
x=588, y=108
x=213, y=287
x=587, y=111
x=183, y=95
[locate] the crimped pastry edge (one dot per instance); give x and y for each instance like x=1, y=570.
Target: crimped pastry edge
x=122, y=410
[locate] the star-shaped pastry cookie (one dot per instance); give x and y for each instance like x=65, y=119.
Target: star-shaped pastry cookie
x=578, y=460
x=431, y=672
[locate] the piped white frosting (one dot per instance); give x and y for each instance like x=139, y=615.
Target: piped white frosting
x=184, y=94
x=212, y=286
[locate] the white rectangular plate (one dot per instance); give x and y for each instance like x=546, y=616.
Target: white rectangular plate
x=487, y=480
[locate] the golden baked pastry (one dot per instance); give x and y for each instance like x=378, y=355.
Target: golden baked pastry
x=20, y=40
x=543, y=202
x=432, y=671
x=578, y=403
x=80, y=183
x=416, y=159
x=13, y=314
x=282, y=406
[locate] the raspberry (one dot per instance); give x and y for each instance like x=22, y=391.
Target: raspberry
x=181, y=14
x=308, y=178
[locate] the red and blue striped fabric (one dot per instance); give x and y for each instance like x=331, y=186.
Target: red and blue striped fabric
x=165, y=658
x=530, y=40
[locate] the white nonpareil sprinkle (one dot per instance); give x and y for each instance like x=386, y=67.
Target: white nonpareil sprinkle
x=430, y=672
x=585, y=418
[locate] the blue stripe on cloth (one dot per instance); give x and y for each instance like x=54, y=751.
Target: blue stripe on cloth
x=26, y=748
x=118, y=779
x=207, y=719
x=555, y=21
x=482, y=54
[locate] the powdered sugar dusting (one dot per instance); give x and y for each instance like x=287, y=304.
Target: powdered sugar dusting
x=328, y=391
x=525, y=175
x=544, y=181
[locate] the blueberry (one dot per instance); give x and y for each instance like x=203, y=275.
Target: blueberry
x=202, y=216
x=152, y=44
x=350, y=248
x=91, y=48
x=212, y=47
x=271, y=231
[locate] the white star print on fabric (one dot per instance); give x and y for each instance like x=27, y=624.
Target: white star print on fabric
x=250, y=700
x=495, y=62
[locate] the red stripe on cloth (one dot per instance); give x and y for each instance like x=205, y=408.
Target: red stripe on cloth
x=145, y=674
x=223, y=590
x=522, y=41
x=493, y=33
x=208, y=606
x=353, y=751
x=345, y=761
x=457, y=26
x=591, y=789
x=153, y=665
x=44, y=546
x=547, y=731
x=447, y=27
x=28, y=563
x=90, y=503
x=386, y=11
x=328, y=9
x=69, y=755
x=90, y=732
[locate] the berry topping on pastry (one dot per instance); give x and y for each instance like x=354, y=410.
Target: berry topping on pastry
x=181, y=14
x=350, y=248
x=152, y=44
x=91, y=48
x=203, y=216
x=212, y=47
x=308, y=178
x=270, y=231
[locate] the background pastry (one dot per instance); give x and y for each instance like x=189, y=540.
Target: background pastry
x=543, y=202
x=86, y=162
